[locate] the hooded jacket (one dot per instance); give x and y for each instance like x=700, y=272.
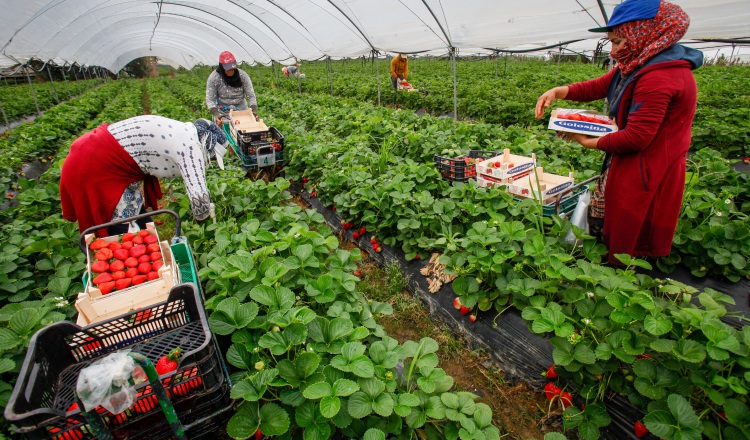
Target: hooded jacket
x=654, y=114
x=399, y=67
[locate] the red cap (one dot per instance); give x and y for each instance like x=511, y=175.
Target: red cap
x=227, y=60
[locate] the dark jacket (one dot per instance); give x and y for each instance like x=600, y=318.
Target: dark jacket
x=646, y=180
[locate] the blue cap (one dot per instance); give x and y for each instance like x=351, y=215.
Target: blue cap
x=630, y=10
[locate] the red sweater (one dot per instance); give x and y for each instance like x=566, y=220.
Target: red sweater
x=95, y=174
x=646, y=181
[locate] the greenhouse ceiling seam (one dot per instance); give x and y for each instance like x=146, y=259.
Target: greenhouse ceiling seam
x=158, y=17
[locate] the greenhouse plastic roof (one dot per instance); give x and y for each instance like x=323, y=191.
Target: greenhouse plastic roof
x=111, y=33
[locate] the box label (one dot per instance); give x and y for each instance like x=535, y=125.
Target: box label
x=519, y=168
x=584, y=126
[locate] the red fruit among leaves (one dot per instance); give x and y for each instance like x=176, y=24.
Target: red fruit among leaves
x=746, y=160
x=551, y=390
x=357, y=273
x=304, y=180
x=362, y=230
x=159, y=222
x=464, y=310
x=169, y=362
x=640, y=429
x=551, y=374
x=566, y=399
x=457, y=303
x=472, y=318
x=258, y=434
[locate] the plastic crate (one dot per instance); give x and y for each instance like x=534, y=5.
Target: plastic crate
x=567, y=203
x=456, y=169
x=39, y=403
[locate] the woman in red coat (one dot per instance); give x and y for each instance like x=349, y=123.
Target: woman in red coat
x=652, y=96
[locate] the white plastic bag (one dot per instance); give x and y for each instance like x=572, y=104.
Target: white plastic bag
x=580, y=216
x=105, y=383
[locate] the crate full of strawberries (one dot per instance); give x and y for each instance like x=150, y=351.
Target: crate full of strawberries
x=125, y=272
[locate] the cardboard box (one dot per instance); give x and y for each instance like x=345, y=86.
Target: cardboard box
x=506, y=166
x=581, y=121
x=491, y=182
x=243, y=121
x=94, y=307
x=546, y=188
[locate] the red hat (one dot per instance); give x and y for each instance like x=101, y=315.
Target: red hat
x=227, y=60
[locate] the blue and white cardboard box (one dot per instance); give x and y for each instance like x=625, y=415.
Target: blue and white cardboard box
x=584, y=122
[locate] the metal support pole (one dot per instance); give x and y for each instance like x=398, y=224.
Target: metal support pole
x=299, y=83
x=455, y=94
x=505, y=71
x=330, y=73
x=33, y=92
x=65, y=78
x=377, y=61
x=5, y=118
x=559, y=56
x=49, y=73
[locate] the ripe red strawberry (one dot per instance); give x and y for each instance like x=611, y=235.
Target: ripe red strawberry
x=131, y=262
x=114, y=245
x=457, y=303
x=169, y=362
x=357, y=273
x=121, y=254
x=159, y=222
x=373, y=240
x=150, y=239
x=105, y=288
x=464, y=310
x=312, y=194
x=153, y=247
x=304, y=180
x=643, y=356
x=152, y=276
x=362, y=230
x=258, y=434
x=104, y=254
x=128, y=245
x=416, y=257
x=99, y=243
x=156, y=265
x=117, y=266
x=355, y=235
x=566, y=399
x=118, y=275
x=498, y=164
x=100, y=266
x=145, y=258
x=472, y=318
x=123, y=283
x=640, y=429
x=155, y=256
x=102, y=278
x=143, y=233
x=746, y=160
x=378, y=249
x=131, y=272
x=139, y=279
x=551, y=390
x=137, y=240
x=127, y=236
x=137, y=250
x=551, y=374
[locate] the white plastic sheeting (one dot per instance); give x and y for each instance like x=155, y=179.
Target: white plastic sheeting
x=110, y=33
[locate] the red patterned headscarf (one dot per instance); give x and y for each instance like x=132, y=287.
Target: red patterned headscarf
x=647, y=38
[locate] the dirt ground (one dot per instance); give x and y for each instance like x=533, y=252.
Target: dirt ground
x=517, y=410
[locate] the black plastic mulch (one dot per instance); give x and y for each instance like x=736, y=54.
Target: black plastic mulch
x=506, y=338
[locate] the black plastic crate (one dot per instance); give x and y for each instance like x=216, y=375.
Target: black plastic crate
x=457, y=169
x=261, y=149
x=40, y=404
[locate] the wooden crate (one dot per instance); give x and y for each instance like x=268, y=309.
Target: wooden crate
x=546, y=188
x=94, y=307
x=506, y=166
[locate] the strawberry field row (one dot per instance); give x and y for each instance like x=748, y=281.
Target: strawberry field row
x=613, y=330
x=18, y=100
